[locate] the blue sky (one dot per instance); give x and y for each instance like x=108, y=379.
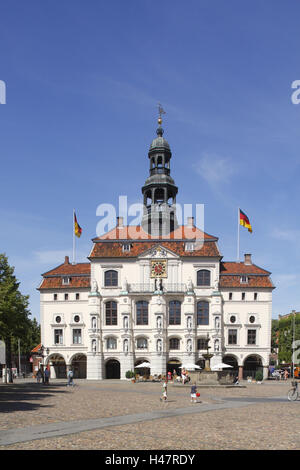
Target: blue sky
x=83, y=80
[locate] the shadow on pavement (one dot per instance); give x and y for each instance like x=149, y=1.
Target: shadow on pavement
x=22, y=396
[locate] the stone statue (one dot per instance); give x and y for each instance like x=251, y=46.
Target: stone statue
x=125, y=285
x=126, y=323
x=159, y=345
x=217, y=345
x=94, y=323
x=189, y=285
x=217, y=323
x=94, y=345
x=94, y=287
x=216, y=284
x=189, y=345
x=125, y=345
x=158, y=322
x=189, y=322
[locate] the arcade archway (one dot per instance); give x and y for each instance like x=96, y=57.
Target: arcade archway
x=112, y=369
x=252, y=364
x=78, y=364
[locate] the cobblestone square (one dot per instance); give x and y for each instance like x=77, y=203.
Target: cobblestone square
x=110, y=415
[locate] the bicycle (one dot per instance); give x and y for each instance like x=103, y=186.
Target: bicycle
x=293, y=393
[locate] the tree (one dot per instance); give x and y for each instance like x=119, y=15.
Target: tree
x=285, y=341
x=14, y=313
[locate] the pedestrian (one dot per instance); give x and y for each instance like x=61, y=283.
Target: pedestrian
x=164, y=391
x=194, y=393
x=38, y=376
x=169, y=375
x=286, y=374
x=70, y=378
x=47, y=375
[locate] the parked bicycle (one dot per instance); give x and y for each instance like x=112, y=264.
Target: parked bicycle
x=293, y=394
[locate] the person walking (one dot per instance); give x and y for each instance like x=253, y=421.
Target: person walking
x=194, y=393
x=38, y=376
x=47, y=375
x=70, y=378
x=164, y=396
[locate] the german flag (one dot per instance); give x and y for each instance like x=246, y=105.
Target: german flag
x=77, y=228
x=244, y=221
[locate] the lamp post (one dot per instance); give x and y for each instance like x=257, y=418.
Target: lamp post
x=42, y=349
x=293, y=344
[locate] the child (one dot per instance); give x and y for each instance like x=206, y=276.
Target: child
x=164, y=392
x=193, y=393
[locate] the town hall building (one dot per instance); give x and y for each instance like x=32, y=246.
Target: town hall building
x=152, y=293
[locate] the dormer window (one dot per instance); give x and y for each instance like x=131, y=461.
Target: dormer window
x=126, y=247
x=189, y=246
x=244, y=279
x=66, y=281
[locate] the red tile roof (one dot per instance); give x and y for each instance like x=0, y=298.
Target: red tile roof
x=78, y=273
x=136, y=232
x=231, y=272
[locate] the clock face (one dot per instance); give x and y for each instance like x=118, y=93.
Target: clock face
x=159, y=268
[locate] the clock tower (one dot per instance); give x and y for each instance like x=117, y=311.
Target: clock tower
x=159, y=190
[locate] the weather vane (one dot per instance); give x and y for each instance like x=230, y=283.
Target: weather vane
x=160, y=112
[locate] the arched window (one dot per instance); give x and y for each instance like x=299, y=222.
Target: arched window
x=111, y=313
x=141, y=343
x=202, y=313
x=142, y=312
x=111, y=278
x=174, y=343
x=203, y=277
x=111, y=343
x=174, y=312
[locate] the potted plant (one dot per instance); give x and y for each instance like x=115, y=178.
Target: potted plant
x=259, y=377
x=130, y=375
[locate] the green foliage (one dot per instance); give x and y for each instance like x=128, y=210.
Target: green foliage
x=259, y=376
x=129, y=374
x=285, y=340
x=14, y=313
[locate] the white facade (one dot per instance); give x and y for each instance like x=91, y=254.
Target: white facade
x=76, y=332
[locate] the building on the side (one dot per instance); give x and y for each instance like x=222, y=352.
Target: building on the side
x=153, y=293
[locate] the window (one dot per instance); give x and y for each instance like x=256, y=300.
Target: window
x=126, y=247
x=201, y=343
x=252, y=319
x=174, y=343
x=243, y=295
x=251, y=336
x=230, y=296
x=203, y=277
x=202, y=313
x=141, y=343
x=76, y=318
x=111, y=313
x=58, y=319
x=77, y=296
x=142, y=312
x=244, y=279
x=54, y=296
x=66, y=296
x=58, y=336
x=255, y=295
x=76, y=336
x=189, y=246
x=232, y=319
x=232, y=336
x=66, y=280
x=111, y=343
x=111, y=278
x=174, y=312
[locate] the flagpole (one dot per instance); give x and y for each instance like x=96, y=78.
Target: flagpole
x=74, y=241
x=238, y=237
